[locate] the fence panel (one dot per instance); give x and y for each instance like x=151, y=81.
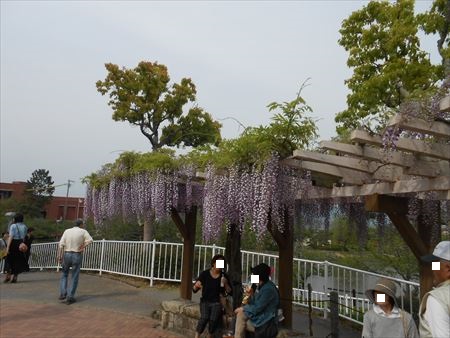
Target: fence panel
x=162, y=261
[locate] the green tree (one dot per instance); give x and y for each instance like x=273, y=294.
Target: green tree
x=142, y=96
x=38, y=192
x=387, y=61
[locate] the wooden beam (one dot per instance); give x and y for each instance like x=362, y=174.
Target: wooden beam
x=348, y=176
x=440, y=151
x=397, y=208
x=339, y=161
x=318, y=192
x=415, y=166
x=435, y=128
x=444, y=105
x=440, y=185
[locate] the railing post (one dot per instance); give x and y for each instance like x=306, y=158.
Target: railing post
x=325, y=305
x=334, y=306
x=57, y=261
x=101, y=257
x=152, y=267
x=213, y=250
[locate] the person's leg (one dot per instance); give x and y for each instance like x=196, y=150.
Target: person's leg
x=203, y=321
x=67, y=261
x=76, y=265
x=241, y=320
x=215, y=315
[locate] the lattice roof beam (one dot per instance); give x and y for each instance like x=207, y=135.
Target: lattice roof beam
x=415, y=166
x=338, y=192
x=440, y=185
x=435, y=128
x=343, y=175
x=444, y=105
x=440, y=151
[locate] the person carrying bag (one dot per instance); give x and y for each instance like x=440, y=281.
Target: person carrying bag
x=15, y=256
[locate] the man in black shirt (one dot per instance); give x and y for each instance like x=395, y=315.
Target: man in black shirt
x=213, y=282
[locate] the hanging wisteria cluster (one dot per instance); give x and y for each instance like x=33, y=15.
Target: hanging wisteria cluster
x=255, y=194
x=143, y=196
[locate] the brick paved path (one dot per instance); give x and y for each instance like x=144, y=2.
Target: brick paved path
x=104, y=308
x=28, y=319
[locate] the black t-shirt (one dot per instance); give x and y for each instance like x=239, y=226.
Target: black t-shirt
x=210, y=286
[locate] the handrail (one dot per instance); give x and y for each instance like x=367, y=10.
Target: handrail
x=162, y=261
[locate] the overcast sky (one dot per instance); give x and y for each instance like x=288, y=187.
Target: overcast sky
x=240, y=55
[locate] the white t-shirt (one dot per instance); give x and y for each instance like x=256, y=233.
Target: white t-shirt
x=73, y=238
x=438, y=319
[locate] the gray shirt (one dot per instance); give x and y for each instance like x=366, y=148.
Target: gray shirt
x=376, y=326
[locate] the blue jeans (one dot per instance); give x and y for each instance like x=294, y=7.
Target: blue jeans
x=71, y=259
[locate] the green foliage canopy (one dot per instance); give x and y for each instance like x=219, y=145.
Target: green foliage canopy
x=38, y=191
x=387, y=61
x=143, y=97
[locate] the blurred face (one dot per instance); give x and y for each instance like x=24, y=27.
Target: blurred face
x=443, y=273
x=219, y=264
x=381, y=298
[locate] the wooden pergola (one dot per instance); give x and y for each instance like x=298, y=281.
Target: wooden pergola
x=361, y=169
x=383, y=178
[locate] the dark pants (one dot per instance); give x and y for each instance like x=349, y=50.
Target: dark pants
x=210, y=313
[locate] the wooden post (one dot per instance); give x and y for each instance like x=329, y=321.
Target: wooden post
x=187, y=230
x=233, y=258
x=334, y=314
x=285, y=242
x=310, y=309
x=418, y=241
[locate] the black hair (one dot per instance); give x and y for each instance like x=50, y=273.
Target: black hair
x=18, y=218
x=217, y=257
x=30, y=229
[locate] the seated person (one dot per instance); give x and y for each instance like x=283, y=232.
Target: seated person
x=262, y=305
x=213, y=282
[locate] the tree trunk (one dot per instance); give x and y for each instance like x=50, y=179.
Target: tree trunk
x=149, y=229
x=285, y=242
x=233, y=258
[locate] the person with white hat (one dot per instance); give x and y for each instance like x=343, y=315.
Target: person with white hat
x=434, y=310
x=386, y=319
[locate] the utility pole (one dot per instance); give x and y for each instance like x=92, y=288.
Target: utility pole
x=67, y=199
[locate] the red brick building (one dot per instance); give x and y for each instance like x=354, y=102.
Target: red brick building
x=55, y=209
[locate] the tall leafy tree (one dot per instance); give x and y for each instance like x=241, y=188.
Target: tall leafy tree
x=39, y=191
x=143, y=97
x=387, y=61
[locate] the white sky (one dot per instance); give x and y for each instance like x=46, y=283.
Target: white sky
x=240, y=55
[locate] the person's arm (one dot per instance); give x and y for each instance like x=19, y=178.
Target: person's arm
x=61, y=245
x=227, y=285
x=412, y=329
x=198, y=283
x=367, y=331
x=87, y=240
x=437, y=318
x=12, y=232
x=265, y=297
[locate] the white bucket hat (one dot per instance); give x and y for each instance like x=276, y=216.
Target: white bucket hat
x=441, y=251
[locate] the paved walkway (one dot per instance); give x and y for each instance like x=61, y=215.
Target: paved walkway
x=105, y=307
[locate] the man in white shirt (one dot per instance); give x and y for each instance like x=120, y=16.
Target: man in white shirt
x=435, y=306
x=70, y=254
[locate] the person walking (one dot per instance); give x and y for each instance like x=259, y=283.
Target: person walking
x=212, y=282
x=434, y=312
x=70, y=255
x=15, y=257
x=386, y=319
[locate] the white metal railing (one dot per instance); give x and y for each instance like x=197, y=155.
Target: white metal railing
x=162, y=261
